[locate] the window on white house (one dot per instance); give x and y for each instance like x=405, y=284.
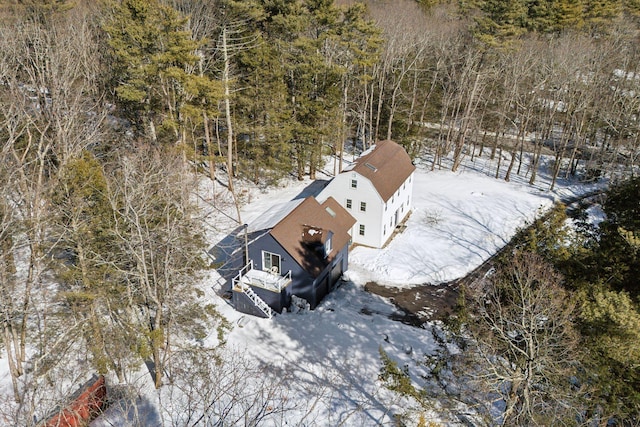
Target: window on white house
x=361, y=232
x=349, y=203
x=271, y=262
x=363, y=206
x=354, y=183
x=384, y=230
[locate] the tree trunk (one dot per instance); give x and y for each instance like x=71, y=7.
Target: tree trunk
x=343, y=133
x=499, y=162
x=392, y=110
x=511, y=403
x=372, y=133
x=566, y=135
x=157, y=344
x=207, y=141
x=152, y=126
x=534, y=162
x=300, y=160
x=577, y=139
x=380, y=98
x=11, y=340
x=462, y=136
x=414, y=95
x=522, y=140
x=227, y=109
x=316, y=152
x=512, y=162
x=507, y=176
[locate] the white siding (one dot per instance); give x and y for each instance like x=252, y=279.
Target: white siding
x=399, y=203
x=340, y=188
x=379, y=222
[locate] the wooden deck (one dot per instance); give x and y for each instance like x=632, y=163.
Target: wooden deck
x=249, y=276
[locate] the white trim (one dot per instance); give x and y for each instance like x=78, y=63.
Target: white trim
x=270, y=267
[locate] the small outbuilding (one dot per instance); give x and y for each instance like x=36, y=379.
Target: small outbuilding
x=300, y=248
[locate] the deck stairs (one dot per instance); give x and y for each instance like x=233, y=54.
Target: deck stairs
x=259, y=302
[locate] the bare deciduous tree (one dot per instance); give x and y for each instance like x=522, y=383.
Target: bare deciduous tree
x=524, y=343
x=209, y=387
x=50, y=113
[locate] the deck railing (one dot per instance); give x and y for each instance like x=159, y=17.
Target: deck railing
x=284, y=280
x=270, y=281
x=243, y=271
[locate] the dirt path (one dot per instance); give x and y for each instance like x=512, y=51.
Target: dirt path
x=420, y=303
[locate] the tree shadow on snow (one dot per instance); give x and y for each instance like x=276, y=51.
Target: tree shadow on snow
x=227, y=257
x=127, y=407
x=332, y=360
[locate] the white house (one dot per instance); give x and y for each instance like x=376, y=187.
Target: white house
x=376, y=189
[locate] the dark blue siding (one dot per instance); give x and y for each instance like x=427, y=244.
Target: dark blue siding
x=303, y=284
x=324, y=283
x=269, y=244
x=243, y=304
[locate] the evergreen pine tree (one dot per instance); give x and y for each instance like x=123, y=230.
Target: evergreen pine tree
x=263, y=117
x=501, y=21
x=312, y=80
x=259, y=110
x=618, y=252
x=610, y=323
x=83, y=222
x=150, y=54
x=632, y=7
x=540, y=16
x=600, y=13
x=569, y=14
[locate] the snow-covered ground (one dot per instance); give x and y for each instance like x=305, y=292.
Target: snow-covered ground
x=458, y=221
x=329, y=357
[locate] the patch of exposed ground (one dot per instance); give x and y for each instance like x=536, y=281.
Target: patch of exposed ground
x=420, y=303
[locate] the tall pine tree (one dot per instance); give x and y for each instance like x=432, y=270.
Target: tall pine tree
x=501, y=22
x=600, y=13
x=569, y=14
x=151, y=55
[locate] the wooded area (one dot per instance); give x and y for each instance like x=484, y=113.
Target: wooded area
x=109, y=107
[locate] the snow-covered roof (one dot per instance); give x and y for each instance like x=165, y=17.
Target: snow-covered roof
x=273, y=216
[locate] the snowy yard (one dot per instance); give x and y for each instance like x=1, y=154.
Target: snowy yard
x=331, y=354
x=329, y=358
